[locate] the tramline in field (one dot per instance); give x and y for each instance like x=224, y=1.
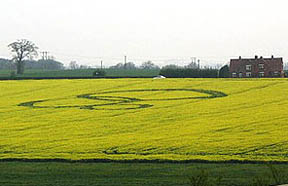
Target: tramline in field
x=127, y=101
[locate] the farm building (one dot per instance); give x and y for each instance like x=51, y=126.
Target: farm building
x=256, y=67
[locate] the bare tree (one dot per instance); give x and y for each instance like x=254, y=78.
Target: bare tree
x=21, y=50
x=149, y=65
x=73, y=65
x=192, y=65
x=130, y=65
x=171, y=66
x=117, y=66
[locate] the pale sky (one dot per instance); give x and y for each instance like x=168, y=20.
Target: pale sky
x=162, y=31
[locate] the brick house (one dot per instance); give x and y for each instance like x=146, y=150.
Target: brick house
x=256, y=67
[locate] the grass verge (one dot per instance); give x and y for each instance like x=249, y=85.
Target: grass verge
x=61, y=174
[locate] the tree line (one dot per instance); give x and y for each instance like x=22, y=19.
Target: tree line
x=193, y=70
x=23, y=53
x=148, y=65
x=6, y=64
x=23, y=50
x=189, y=73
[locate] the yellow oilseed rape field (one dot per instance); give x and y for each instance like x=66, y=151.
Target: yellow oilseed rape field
x=145, y=119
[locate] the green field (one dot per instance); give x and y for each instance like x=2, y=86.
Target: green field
x=83, y=73
x=145, y=119
x=80, y=174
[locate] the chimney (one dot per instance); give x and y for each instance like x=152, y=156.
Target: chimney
x=272, y=57
x=240, y=57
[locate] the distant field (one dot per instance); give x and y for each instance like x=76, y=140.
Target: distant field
x=82, y=73
x=145, y=119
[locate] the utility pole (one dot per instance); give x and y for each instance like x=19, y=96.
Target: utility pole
x=45, y=55
x=125, y=61
x=43, y=58
x=198, y=63
x=193, y=59
x=101, y=64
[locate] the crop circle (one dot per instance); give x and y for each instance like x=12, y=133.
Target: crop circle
x=125, y=103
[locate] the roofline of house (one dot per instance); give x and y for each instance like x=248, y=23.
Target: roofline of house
x=257, y=58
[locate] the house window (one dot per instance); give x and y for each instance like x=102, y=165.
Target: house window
x=276, y=73
x=261, y=66
x=248, y=67
x=234, y=74
x=248, y=74
x=270, y=73
x=261, y=74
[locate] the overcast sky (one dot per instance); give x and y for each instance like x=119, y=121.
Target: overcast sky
x=163, y=31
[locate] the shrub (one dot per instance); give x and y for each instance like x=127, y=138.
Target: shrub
x=278, y=176
x=202, y=178
x=189, y=73
x=99, y=73
x=224, y=72
x=13, y=74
